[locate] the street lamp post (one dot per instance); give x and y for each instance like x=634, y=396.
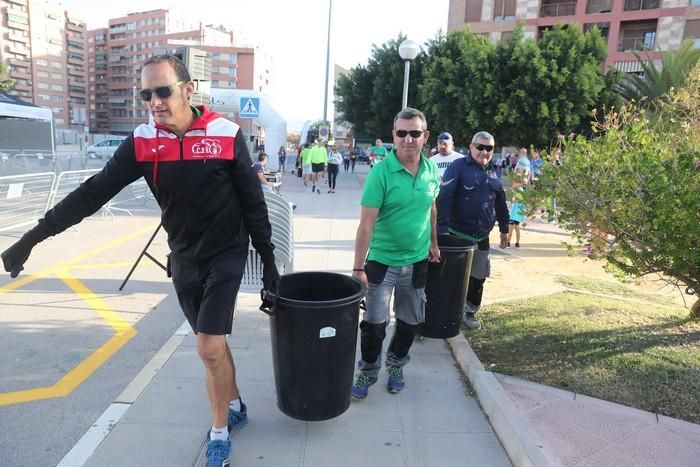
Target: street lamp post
x=408, y=50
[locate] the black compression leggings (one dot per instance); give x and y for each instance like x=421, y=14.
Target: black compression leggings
x=332, y=175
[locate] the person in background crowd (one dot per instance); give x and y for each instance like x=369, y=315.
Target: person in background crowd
x=281, y=159
x=377, y=153
x=334, y=161
x=446, y=154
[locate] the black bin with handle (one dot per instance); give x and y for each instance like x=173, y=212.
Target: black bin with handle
x=446, y=287
x=313, y=328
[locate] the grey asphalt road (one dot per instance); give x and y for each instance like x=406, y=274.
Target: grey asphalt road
x=62, y=316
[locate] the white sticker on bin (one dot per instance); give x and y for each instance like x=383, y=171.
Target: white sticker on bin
x=326, y=332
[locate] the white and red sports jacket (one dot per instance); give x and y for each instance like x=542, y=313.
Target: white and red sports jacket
x=209, y=194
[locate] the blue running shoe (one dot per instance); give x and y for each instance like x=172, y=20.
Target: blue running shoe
x=218, y=453
x=396, y=383
x=361, y=387
x=236, y=419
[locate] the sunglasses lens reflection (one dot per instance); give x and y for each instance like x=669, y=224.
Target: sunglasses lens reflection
x=162, y=92
x=482, y=147
x=413, y=133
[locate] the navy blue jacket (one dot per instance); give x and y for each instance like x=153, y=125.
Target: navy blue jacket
x=471, y=199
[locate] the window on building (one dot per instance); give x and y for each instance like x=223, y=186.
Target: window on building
x=56, y=75
x=692, y=31
x=634, y=5
x=504, y=10
x=472, y=13
x=42, y=74
x=598, y=6
x=42, y=85
x=57, y=87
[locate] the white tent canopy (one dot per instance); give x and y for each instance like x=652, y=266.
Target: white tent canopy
x=12, y=107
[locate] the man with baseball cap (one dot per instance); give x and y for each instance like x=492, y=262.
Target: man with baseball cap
x=446, y=154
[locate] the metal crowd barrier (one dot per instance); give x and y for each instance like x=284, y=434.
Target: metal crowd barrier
x=24, y=198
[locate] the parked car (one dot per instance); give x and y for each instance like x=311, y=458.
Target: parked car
x=103, y=149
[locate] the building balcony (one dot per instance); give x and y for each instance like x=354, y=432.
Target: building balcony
x=598, y=6
x=636, y=5
x=20, y=62
x=632, y=44
x=20, y=75
x=551, y=8
x=23, y=87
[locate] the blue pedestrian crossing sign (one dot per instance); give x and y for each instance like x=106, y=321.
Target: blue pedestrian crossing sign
x=250, y=107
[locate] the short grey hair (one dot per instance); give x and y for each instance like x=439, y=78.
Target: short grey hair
x=409, y=113
x=483, y=135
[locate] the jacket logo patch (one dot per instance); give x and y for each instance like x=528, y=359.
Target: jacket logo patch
x=207, y=147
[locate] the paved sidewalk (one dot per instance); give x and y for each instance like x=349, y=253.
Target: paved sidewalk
x=433, y=422
x=162, y=418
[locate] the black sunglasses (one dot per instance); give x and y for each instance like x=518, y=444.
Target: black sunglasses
x=483, y=147
x=413, y=133
x=163, y=92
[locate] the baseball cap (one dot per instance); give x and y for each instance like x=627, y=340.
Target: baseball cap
x=444, y=136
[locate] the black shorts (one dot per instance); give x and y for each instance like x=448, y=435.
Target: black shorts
x=207, y=291
x=512, y=222
x=316, y=168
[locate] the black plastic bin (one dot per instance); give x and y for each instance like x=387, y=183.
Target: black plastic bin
x=446, y=288
x=313, y=327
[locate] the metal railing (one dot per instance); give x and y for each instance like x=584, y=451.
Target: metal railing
x=635, y=5
x=25, y=198
x=635, y=43
x=558, y=9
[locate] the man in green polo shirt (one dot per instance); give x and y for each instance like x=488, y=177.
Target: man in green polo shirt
x=397, y=228
x=377, y=153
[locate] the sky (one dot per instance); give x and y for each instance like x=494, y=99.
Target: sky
x=294, y=33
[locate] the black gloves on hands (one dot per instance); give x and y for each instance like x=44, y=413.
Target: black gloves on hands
x=14, y=257
x=270, y=278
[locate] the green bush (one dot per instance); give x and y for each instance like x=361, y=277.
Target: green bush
x=632, y=190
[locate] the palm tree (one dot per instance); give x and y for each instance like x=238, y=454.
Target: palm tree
x=657, y=81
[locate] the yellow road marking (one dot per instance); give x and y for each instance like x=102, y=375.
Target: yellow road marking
x=72, y=261
x=123, y=330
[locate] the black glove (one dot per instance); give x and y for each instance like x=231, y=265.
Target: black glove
x=271, y=278
x=14, y=257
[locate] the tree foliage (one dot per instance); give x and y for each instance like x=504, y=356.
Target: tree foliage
x=369, y=97
x=656, y=81
x=632, y=189
x=6, y=84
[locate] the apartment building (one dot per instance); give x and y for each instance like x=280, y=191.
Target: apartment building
x=45, y=50
x=626, y=25
x=117, y=52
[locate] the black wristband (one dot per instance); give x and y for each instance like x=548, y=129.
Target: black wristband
x=358, y=270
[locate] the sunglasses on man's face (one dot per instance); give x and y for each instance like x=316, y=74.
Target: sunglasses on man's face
x=483, y=147
x=413, y=133
x=163, y=92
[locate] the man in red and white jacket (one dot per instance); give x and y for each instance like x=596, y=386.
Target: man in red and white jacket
x=198, y=167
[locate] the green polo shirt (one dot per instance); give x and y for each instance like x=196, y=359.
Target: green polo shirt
x=379, y=152
x=401, y=234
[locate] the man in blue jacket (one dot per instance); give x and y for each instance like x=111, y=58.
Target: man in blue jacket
x=471, y=200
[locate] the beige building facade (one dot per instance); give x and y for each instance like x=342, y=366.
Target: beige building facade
x=626, y=25
x=45, y=50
